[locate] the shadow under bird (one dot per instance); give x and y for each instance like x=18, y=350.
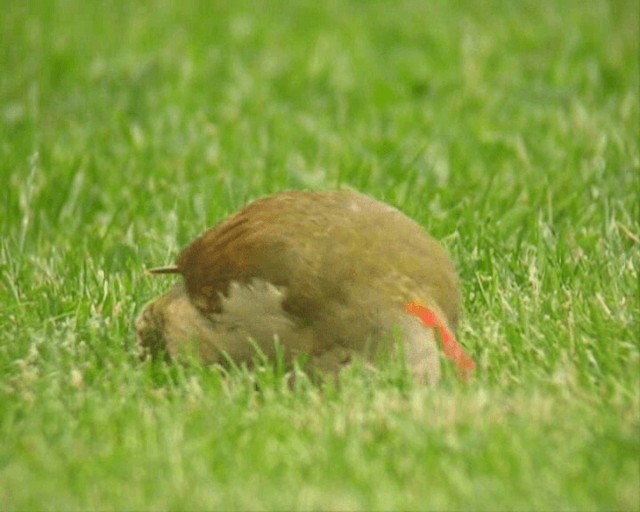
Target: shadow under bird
x=329, y=277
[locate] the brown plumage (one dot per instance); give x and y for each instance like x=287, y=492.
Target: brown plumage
x=327, y=273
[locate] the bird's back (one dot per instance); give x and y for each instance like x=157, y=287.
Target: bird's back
x=326, y=249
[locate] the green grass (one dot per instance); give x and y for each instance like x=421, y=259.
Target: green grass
x=510, y=130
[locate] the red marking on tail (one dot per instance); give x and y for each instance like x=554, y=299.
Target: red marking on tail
x=450, y=345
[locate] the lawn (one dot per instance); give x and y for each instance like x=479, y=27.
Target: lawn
x=509, y=130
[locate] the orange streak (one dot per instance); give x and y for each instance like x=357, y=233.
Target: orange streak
x=450, y=346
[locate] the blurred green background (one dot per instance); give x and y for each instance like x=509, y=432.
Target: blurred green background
x=508, y=129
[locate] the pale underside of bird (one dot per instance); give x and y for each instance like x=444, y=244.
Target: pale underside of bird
x=320, y=277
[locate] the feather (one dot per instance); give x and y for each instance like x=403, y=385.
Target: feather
x=164, y=270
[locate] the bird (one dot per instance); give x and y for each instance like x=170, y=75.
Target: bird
x=324, y=277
